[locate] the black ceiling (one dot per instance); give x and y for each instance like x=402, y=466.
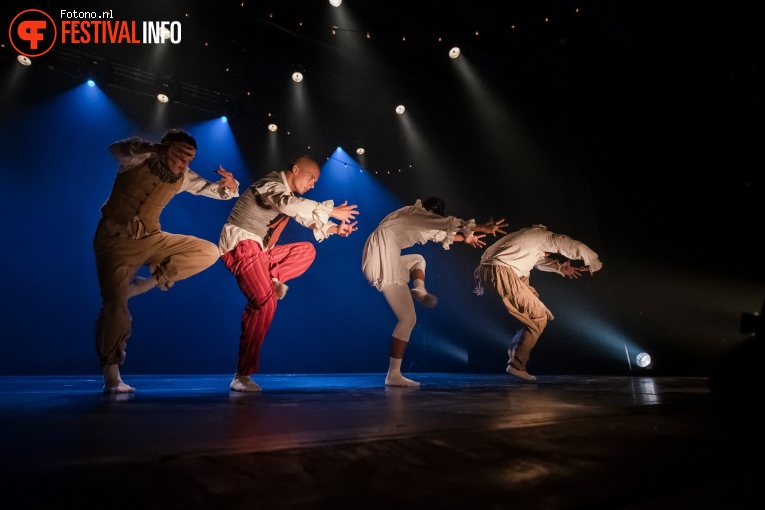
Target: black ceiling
x=627, y=92
x=246, y=51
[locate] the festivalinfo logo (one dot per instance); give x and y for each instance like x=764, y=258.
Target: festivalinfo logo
x=34, y=32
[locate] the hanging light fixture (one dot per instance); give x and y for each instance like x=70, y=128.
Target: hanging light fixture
x=643, y=360
x=298, y=72
x=168, y=88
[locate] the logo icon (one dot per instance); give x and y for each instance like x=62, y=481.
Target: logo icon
x=32, y=33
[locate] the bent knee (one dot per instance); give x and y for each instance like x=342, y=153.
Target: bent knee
x=419, y=263
x=540, y=323
x=413, y=261
x=307, y=250
x=210, y=251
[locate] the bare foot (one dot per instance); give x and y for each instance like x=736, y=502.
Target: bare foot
x=244, y=383
x=113, y=381
x=280, y=289
x=399, y=380
x=117, y=387
x=520, y=373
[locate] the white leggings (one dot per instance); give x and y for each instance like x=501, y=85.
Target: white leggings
x=400, y=300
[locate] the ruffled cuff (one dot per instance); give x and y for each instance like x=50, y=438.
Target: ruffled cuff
x=322, y=233
x=448, y=240
x=467, y=229
x=321, y=220
x=226, y=193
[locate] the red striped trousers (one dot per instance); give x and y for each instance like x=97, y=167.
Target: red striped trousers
x=254, y=270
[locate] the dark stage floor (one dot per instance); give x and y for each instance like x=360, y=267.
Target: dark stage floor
x=345, y=441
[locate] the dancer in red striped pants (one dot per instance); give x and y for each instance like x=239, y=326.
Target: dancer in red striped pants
x=261, y=267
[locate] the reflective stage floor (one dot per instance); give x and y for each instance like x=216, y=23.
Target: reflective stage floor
x=342, y=441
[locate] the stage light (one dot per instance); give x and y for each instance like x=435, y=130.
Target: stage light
x=360, y=150
x=98, y=71
x=643, y=360
x=335, y=3
x=24, y=60
x=272, y=127
x=454, y=52
x=224, y=119
x=91, y=83
x=168, y=89
x=297, y=76
x=164, y=91
x=400, y=109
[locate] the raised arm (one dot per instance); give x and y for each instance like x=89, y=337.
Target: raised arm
x=131, y=151
x=135, y=150
x=227, y=180
x=224, y=189
x=135, y=146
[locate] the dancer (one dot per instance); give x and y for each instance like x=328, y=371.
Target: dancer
x=261, y=267
x=506, y=266
x=389, y=271
x=129, y=236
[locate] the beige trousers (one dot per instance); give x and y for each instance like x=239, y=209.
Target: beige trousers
x=120, y=252
x=522, y=302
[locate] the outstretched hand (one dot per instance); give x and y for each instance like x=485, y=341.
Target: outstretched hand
x=344, y=229
x=344, y=212
x=227, y=178
x=492, y=227
x=475, y=240
x=573, y=272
